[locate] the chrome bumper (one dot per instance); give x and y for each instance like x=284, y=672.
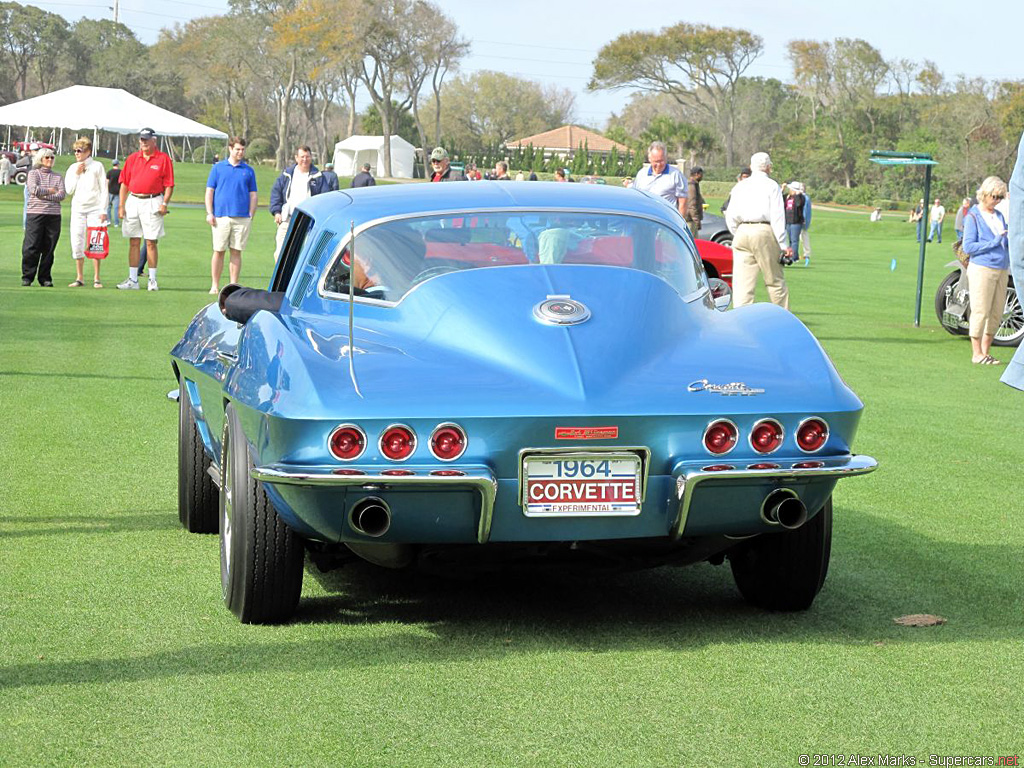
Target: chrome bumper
x=689, y=476
x=473, y=478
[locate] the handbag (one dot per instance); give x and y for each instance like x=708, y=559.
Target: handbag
x=97, y=242
x=958, y=251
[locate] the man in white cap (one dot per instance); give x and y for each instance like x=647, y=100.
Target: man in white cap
x=756, y=217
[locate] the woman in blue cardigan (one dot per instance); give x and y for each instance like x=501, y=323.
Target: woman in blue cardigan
x=985, y=242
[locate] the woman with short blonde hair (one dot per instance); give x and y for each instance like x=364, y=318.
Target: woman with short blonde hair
x=986, y=243
x=86, y=182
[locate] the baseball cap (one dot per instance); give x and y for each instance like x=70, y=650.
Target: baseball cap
x=147, y=133
x=439, y=153
x=115, y=162
x=329, y=166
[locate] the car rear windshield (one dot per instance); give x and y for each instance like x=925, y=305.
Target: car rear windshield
x=394, y=257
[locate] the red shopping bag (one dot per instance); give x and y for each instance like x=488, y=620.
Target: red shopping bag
x=97, y=242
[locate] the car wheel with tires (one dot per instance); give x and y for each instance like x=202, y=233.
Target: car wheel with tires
x=723, y=238
x=197, y=493
x=785, y=571
x=21, y=177
x=1011, y=330
x=942, y=297
x=261, y=558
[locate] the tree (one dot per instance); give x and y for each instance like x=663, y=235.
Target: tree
x=697, y=65
x=491, y=108
x=842, y=78
x=403, y=126
x=29, y=37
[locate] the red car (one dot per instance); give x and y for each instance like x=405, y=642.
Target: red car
x=717, y=259
x=30, y=146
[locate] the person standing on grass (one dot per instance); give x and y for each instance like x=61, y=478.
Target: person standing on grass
x=298, y=182
x=757, y=218
x=985, y=241
x=805, y=235
x=364, y=178
x=935, y=217
x=5, y=170
x=331, y=178
x=794, y=216
x=230, y=205
x=44, y=190
x=147, y=183
x=114, y=193
x=661, y=179
x=86, y=182
x=694, y=201
x=1014, y=374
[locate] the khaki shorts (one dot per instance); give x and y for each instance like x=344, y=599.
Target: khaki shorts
x=142, y=217
x=231, y=232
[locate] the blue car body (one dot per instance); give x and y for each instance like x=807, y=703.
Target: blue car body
x=644, y=375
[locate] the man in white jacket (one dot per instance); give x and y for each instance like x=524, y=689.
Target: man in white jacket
x=86, y=184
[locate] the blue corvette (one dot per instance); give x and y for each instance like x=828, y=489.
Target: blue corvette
x=484, y=372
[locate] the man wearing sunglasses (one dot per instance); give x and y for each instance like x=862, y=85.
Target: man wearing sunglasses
x=441, y=167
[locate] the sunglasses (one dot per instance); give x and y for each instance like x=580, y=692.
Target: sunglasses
x=998, y=197
x=79, y=151
x=46, y=157
x=432, y=162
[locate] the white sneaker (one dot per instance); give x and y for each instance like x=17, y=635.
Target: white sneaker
x=128, y=285
x=152, y=285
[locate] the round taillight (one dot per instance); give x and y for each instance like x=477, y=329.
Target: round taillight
x=347, y=442
x=398, y=442
x=720, y=437
x=766, y=436
x=811, y=435
x=448, y=442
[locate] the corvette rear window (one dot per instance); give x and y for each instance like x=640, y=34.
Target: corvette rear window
x=394, y=257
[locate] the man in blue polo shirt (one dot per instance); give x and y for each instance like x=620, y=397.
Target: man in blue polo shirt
x=230, y=205
x=661, y=179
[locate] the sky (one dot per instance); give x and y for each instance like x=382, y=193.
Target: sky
x=555, y=41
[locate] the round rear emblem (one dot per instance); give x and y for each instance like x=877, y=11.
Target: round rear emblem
x=561, y=310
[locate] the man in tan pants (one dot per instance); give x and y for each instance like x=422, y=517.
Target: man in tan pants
x=756, y=217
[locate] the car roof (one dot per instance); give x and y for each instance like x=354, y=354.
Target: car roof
x=339, y=210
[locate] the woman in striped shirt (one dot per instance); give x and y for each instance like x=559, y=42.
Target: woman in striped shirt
x=45, y=190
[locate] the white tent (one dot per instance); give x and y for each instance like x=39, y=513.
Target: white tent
x=351, y=153
x=101, y=109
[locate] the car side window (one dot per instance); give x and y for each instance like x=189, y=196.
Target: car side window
x=291, y=250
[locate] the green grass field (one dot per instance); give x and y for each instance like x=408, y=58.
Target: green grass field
x=115, y=648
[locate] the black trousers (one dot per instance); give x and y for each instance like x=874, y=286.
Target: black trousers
x=42, y=231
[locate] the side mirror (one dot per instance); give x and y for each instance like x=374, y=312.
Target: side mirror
x=721, y=293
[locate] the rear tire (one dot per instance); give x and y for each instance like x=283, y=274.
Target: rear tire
x=785, y=571
x=261, y=558
x=197, y=494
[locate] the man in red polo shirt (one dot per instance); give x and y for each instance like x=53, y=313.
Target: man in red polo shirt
x=147, y=182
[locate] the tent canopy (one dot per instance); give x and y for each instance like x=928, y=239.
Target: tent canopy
x=351, y=153
x=104, y=109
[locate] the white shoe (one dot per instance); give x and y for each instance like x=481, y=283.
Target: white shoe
x=152, y=285
x=128, y=285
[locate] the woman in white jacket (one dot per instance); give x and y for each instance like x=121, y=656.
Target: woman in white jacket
x=86, y=183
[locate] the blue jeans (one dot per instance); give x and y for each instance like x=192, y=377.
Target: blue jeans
x=115, y=200
x=142, y=257
x=793, y=231
x=920, y=229
x=936, y=231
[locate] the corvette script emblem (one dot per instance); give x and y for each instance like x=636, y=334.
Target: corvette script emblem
x=733, y=388
x=561, y=310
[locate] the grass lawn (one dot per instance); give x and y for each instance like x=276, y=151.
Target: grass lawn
x=115, y=648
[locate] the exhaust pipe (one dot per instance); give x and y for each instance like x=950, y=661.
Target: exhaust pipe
x=783, y=507
x=371, y=517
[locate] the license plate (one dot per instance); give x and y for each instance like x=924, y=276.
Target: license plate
x=583, y=485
